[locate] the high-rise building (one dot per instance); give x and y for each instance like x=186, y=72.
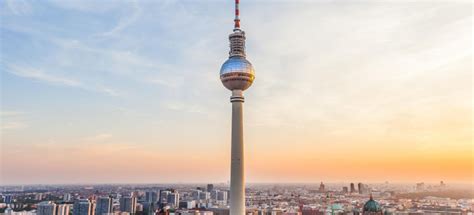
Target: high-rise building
x=237, y=74
x=63, y=209
x=353, y=190
x=83, y=207
x=363, y=188
x=128, y=204
x=204, y=195
x=196, y=194
x=210, y=187
x=214, y=194
x=134, y=193
x=67, y=197
x=103, y=205
x=151, y=196
x=151, y=201
x=8, y=199
x=222, y=196
x=39, y=196
x=173, y=199
x=46, y=208
x=345, y=189
x=164, y=196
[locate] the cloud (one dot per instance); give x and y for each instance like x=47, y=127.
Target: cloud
x=184, y=107
x=39, y=75
x=18, y=7
x=112, y=66
x=11, y=113
x=12, y=120
x=13, y=125
x=98, y=137
x=108, y=91
x=125, y=20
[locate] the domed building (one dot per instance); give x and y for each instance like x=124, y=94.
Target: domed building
x=372, y=207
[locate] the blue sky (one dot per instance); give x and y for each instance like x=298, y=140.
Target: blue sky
x=132, y=77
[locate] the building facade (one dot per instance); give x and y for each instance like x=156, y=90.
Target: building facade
x=83, y=207
x=103, y=205
x=46, y=208
x=128, y=204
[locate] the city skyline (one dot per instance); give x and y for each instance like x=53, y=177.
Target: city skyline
x=356, y=92
x=185, y=199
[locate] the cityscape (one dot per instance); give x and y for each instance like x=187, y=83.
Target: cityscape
x=356, y=107
x=261, y=199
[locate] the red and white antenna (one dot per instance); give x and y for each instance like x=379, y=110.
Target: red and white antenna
x=237, y=39
x=237, y=13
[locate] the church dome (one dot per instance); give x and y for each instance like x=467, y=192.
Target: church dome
x=372, y=206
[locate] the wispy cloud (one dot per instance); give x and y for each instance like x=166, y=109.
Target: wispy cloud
x=11, y=113
x=125, y=20
x=18, y=7
x=98, y=137
x=40, y=75
x=13, y=125
x=184, y=107
x=12, y=120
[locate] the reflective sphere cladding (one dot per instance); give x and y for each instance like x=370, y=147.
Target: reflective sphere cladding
x=237, y=73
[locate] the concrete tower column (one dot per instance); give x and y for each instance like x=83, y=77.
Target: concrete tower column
x=237, y=174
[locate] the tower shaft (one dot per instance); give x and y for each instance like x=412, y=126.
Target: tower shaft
x=237, y=174
x=237, y=74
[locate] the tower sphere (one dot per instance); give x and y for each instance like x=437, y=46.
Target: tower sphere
x=237, y=73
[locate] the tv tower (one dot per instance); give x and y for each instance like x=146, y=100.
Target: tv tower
x=237, y=74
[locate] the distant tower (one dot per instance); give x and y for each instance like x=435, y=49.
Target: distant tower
x=321, y=187
x=345, y=189
x=352, y=188
x=237, y=74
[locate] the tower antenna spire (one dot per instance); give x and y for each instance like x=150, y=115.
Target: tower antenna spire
x=237, y=17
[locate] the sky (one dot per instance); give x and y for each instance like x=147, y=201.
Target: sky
x=129, y=91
